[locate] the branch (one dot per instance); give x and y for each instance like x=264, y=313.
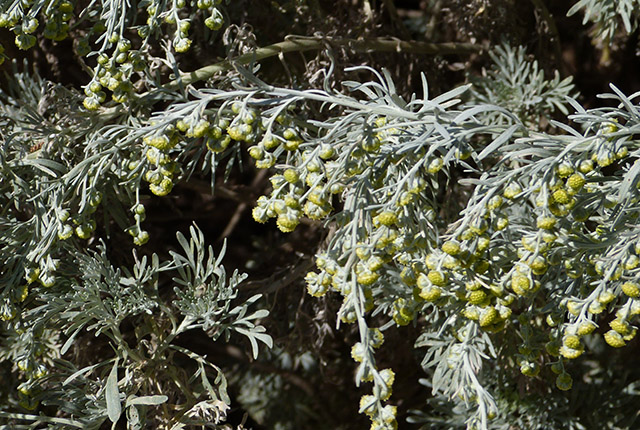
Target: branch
x=301, y=44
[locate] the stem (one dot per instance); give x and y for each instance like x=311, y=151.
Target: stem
x=301, y=44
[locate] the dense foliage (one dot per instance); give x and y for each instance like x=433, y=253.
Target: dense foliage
x=456, y=234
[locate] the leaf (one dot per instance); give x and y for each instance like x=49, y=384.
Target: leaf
x=260, y=313
x=264, y=338
x=451, y=95
x=253, y=335
x=41, y=164
x=628, y=180
x=112, y=395
x=505, y=136
x=74, y=375
x=465, y=115
x=146, y=400
x=69, y=341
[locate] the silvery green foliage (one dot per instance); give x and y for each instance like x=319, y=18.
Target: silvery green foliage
x=124, y=66
x=384, y=239
x=541, y=273
x=517, y=84
x=606, y=16
x=606, y=400
x=381, y=157
x=93, y=299
x=543, y=250
x=570, y=250
x=204, y=298
x=54, y=180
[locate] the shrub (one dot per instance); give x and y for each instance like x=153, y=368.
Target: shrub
x=482, y=242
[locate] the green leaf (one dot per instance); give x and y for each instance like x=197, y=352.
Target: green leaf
x=504, y=137
x=146, y=400
x=112, y=395
x=254, y=334
x=74, y=375
x=69, y=341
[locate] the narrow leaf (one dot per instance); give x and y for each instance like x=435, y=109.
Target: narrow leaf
x=498, y=141
x=112, y=395
x=80, y=372
x=147, y=400
x=69, y=342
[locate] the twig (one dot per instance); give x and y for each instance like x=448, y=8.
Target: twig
x=301, y=44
